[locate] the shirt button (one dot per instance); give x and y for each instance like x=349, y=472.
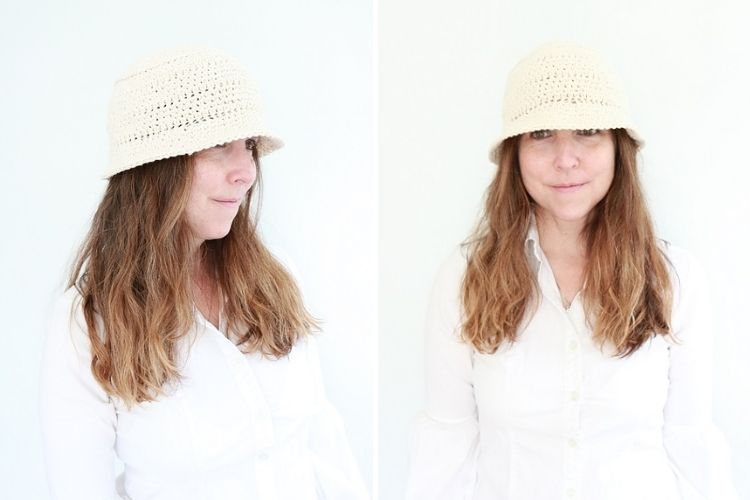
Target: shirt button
x=573, y=345
x=571, y=492
x=574, y=396
x=262, y=456
x=572, y=443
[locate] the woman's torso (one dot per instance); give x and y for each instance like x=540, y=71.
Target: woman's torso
x=234, y=427
x=560, y=418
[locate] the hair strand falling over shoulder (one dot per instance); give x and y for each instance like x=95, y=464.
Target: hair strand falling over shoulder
x=133, y=274
x=627, y=294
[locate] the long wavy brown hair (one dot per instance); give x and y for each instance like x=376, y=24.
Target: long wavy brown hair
x=627, y=294
x=134, y=276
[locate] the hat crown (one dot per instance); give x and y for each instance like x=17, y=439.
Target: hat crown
x=179, y=101
x=560, y=73
x=562, y=85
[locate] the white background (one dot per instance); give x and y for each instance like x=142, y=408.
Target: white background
x=314, y=66
x=442, y=70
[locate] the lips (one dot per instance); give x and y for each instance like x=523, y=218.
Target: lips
x=568, y=187
x=228, y=202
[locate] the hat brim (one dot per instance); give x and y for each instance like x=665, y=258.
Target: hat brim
x=494, y=153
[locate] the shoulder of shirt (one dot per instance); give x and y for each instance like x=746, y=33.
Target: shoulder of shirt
x=286, y=261
x=66, y=306
x=452, y=269
x=66, y=336
x=681, y=262
x=687, y=276
x=306, y=344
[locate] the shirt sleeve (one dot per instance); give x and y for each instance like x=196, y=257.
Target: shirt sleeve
x=77, y=417
x=445, y=438
x=336, y=471
x=696, y=448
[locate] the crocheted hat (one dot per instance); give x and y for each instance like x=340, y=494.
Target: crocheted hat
x=181, y=101
x=562, y=86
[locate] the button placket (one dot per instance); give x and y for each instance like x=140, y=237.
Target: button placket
x=250, y=391
x=263, y=427
x=572, y=386
x=573, y=329
x=263, y=432
x=264, y=474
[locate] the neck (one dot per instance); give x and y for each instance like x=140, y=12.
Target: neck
x=201, y=272
x=205, y=289
x=196, y=245
x=561, y=237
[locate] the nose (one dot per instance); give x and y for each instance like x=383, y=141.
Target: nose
x=242, y=165
x=566, y=151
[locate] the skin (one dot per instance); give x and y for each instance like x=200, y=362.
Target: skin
x=566, y=173
x=222, y=177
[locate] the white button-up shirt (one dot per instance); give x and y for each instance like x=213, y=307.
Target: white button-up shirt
x=554, y=417
x=235, y=427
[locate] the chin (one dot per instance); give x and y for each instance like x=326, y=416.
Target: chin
x=571, y=215
x=217, y=234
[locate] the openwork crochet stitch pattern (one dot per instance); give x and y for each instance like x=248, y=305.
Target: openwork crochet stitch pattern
x=179, y=102
x=562, y=86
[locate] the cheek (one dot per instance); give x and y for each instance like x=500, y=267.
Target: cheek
x=202, y=188
x=197, y=202
x=606, y=171
x=531, y=176
x=195, y=196
x=193, y=211
x=533, y=164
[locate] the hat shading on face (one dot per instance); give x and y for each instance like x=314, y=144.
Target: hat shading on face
x=562, y=86
x=180, y=101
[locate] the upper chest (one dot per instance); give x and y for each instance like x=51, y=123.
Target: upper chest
x=557, y=368
x=568, y=275
x=226, y=405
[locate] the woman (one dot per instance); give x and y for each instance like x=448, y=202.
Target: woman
x=568, y=349
x=181, y=345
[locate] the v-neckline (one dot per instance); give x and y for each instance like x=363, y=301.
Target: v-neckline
x=220, y=328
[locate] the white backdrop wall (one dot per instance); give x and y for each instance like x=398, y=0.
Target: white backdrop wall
x=313, y=63
x=441, y=75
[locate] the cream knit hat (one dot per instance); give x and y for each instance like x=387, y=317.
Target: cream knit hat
x=181, y=101
x=562, y=86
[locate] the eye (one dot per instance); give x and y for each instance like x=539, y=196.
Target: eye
x=540, y=134
x=588, y=132
x=251, y=144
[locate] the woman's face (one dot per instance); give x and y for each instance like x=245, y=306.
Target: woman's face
x=567, y=172
x=222, y=176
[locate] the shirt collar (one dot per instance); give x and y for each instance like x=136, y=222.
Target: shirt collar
x=533, y=248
